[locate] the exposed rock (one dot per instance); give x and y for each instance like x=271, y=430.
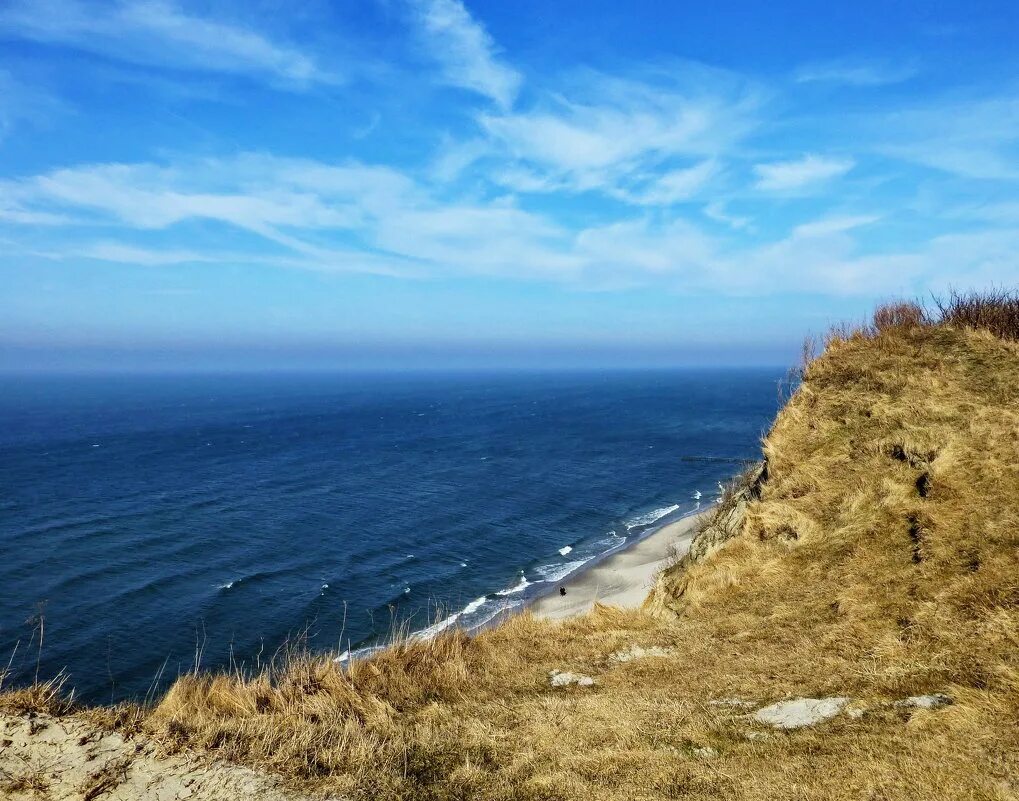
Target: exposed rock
x=728, y=520
x=73, y=759
x=756, y=736
x=563, y=678
x=705, y=752
x=932, y=701
x=717, y=528
x=637, y=652
x=800, y=712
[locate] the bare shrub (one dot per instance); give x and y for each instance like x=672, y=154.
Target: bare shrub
x=995, y=310
x=899, y=315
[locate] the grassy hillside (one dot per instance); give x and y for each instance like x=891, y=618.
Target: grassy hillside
x=872, y=557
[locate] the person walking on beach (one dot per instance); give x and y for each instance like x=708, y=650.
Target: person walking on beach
x=562, y=591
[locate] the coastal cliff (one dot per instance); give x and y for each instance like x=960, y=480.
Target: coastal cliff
x=845, y=626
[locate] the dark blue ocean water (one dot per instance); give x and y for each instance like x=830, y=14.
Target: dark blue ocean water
x=144, y=514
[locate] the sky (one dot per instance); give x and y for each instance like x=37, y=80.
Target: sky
x=437, y=183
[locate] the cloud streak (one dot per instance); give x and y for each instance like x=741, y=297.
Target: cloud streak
x=466, y=54
x=802, y=173
x=646, y=140
x=158, y=33
x=855, y=73
x=354, y=217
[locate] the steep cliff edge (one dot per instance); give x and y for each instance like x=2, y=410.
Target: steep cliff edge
x=846, y=627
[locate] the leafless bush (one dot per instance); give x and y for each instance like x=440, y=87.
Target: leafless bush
x=995, y=310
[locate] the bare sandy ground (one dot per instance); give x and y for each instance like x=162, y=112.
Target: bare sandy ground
x=625, y=578
x=43, y=758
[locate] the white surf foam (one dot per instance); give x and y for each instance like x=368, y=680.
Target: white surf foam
x=445, y=623
x=520, y=586
x=556, y=572
x=474, y=605
x=565, y=550
x=648, y=518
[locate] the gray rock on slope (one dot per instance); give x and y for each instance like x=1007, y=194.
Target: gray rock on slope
x=563, y=678
x=799, y=712
x=932, y=701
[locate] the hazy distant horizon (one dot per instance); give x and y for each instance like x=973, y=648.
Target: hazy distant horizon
x=375, y=360
x=451, y=182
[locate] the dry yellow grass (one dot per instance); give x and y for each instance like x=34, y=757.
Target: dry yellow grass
x=877, y=559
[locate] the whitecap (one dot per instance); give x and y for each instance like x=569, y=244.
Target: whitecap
x=520, y=586
x=653, y=516
x=559, y=571
x=445, y=623
x=565, y=550
x=406, y=590
x=226, y=586
x=359, y=653
x=474, y=605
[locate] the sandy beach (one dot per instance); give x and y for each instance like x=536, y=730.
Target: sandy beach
x=623, y=579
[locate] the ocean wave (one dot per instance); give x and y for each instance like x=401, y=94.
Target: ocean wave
x=442, y=625
x=504, y=608
x=431, y=631
x=565, y=550
x=648, y=518
x=613, y=540
x=558, y=571
x=520, y=586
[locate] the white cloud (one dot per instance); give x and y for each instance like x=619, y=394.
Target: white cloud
x=465, y=51
x=784, y=176
x=832, y=225
x=346, y=216
x=855, y=73
x=358, y=217
x=632, y=139
x=157, y=33
x=145, y=257
x=673, y=186
x=716, y=211
x=972, y=139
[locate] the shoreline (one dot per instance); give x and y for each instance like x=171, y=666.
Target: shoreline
x=624, y=578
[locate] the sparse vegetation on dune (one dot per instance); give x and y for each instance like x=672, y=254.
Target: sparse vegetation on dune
x=873, y=557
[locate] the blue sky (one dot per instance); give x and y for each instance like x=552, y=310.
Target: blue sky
x=430, y=182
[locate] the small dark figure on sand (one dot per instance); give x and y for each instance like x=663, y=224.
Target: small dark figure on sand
x=562, y=591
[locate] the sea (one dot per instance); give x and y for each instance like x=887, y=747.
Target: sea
x=152, y=522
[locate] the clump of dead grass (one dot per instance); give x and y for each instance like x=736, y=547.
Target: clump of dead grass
x=48, y=697
x=31, y=782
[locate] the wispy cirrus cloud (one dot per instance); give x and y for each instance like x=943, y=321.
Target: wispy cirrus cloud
x=860, y=73
x=976, y=138
x=651, y=139
x=159, y=33
x=21, y=103
x=465, y=52
x=801, y=173
x=355, y=217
